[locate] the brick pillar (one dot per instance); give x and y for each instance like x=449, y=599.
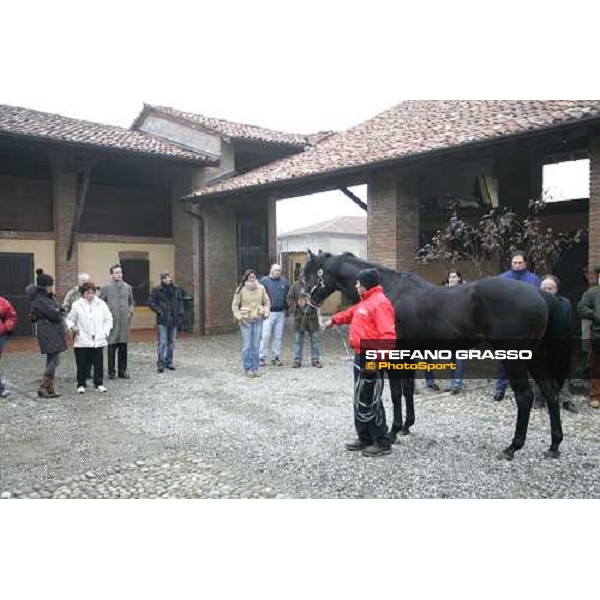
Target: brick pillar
x=594, y=245
x=272, y=230
x=392, y=221
x=64, y=202
x=221, y=270
x=382, y=216
x=408, y=223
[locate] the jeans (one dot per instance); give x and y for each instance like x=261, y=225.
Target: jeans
x=251, y=334
x=167, y=334
x=501, y=381
x=459, y=374
x=52, y=361
x=272, y=326
x=315, y=349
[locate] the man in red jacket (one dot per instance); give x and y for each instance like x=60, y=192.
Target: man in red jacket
x=8, y=321
x=373, y=318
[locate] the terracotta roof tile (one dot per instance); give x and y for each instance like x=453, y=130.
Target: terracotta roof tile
x=411, y=128
x=18, y=121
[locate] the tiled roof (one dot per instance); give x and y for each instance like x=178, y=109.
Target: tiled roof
x=340, y=225
x=412, y=128
x=18, y=121
x=229, y=129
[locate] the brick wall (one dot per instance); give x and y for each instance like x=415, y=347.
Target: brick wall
x=594, y=248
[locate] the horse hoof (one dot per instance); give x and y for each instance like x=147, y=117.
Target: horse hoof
x=506, y=454
x=405, y=432
x=552, y=454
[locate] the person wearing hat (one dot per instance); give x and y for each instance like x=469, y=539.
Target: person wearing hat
x=166, y=300
x=373, y=318
x=47, y=312
x=589, y=308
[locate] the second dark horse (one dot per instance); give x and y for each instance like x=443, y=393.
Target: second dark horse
x=492, y=309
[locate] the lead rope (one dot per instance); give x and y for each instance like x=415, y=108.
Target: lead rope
x=340, y=334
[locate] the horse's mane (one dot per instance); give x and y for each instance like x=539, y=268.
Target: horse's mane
x=408, y=276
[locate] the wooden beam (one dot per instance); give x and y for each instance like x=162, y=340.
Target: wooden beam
x=354, y=198
x=82, y=190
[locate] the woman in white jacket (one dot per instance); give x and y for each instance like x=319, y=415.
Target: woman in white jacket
x=90, y=321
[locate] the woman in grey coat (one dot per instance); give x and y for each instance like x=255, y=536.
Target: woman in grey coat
x=119, y=297
x=47, y=313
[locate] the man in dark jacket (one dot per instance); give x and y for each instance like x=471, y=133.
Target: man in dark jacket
x=306, y=320
x=277, y=289
x=589, y=308
x=166, y=300
x=372, y=319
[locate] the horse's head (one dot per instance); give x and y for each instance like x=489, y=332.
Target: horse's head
x=318, y=277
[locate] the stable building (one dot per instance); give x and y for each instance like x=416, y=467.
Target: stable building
x=418, y=153
x=80, y=196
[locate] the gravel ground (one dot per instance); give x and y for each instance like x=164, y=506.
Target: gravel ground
x=204, y=431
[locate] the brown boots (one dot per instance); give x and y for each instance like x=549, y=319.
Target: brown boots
x=46, y=390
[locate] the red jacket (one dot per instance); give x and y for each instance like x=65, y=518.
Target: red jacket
x=373, y=318
x=8, y=317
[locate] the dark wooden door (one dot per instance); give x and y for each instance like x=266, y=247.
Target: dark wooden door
x=16, y=273
x=136, y=272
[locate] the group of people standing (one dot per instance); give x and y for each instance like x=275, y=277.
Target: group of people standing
x=260, y=308
x=92, y=319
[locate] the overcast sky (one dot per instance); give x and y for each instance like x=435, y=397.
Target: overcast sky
x=295, y=67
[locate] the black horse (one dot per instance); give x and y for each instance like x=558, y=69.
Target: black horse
x=499, y=311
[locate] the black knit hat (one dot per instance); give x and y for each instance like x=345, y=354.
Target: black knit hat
x=43, y=279
x=368, y=278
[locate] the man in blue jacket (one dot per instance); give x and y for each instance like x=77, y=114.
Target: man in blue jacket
x=518, y=271
x=277, y=289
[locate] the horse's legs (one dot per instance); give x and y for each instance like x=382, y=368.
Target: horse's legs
x=548, y=388
x=408, y=390
x=396, y=392
x=519, y=382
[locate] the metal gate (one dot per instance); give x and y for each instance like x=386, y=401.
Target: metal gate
x=253, y=245
x=16, y=273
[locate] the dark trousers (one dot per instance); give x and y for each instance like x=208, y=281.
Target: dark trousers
x=594, y=364
x=112, y=349
x=369, y=412
x=85, y=358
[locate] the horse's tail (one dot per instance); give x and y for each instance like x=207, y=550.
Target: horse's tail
x=556, y=343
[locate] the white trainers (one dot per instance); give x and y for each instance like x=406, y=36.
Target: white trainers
x=101, y=389
x=81, y=390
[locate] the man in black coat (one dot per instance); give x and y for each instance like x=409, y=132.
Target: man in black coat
x=166, y=300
